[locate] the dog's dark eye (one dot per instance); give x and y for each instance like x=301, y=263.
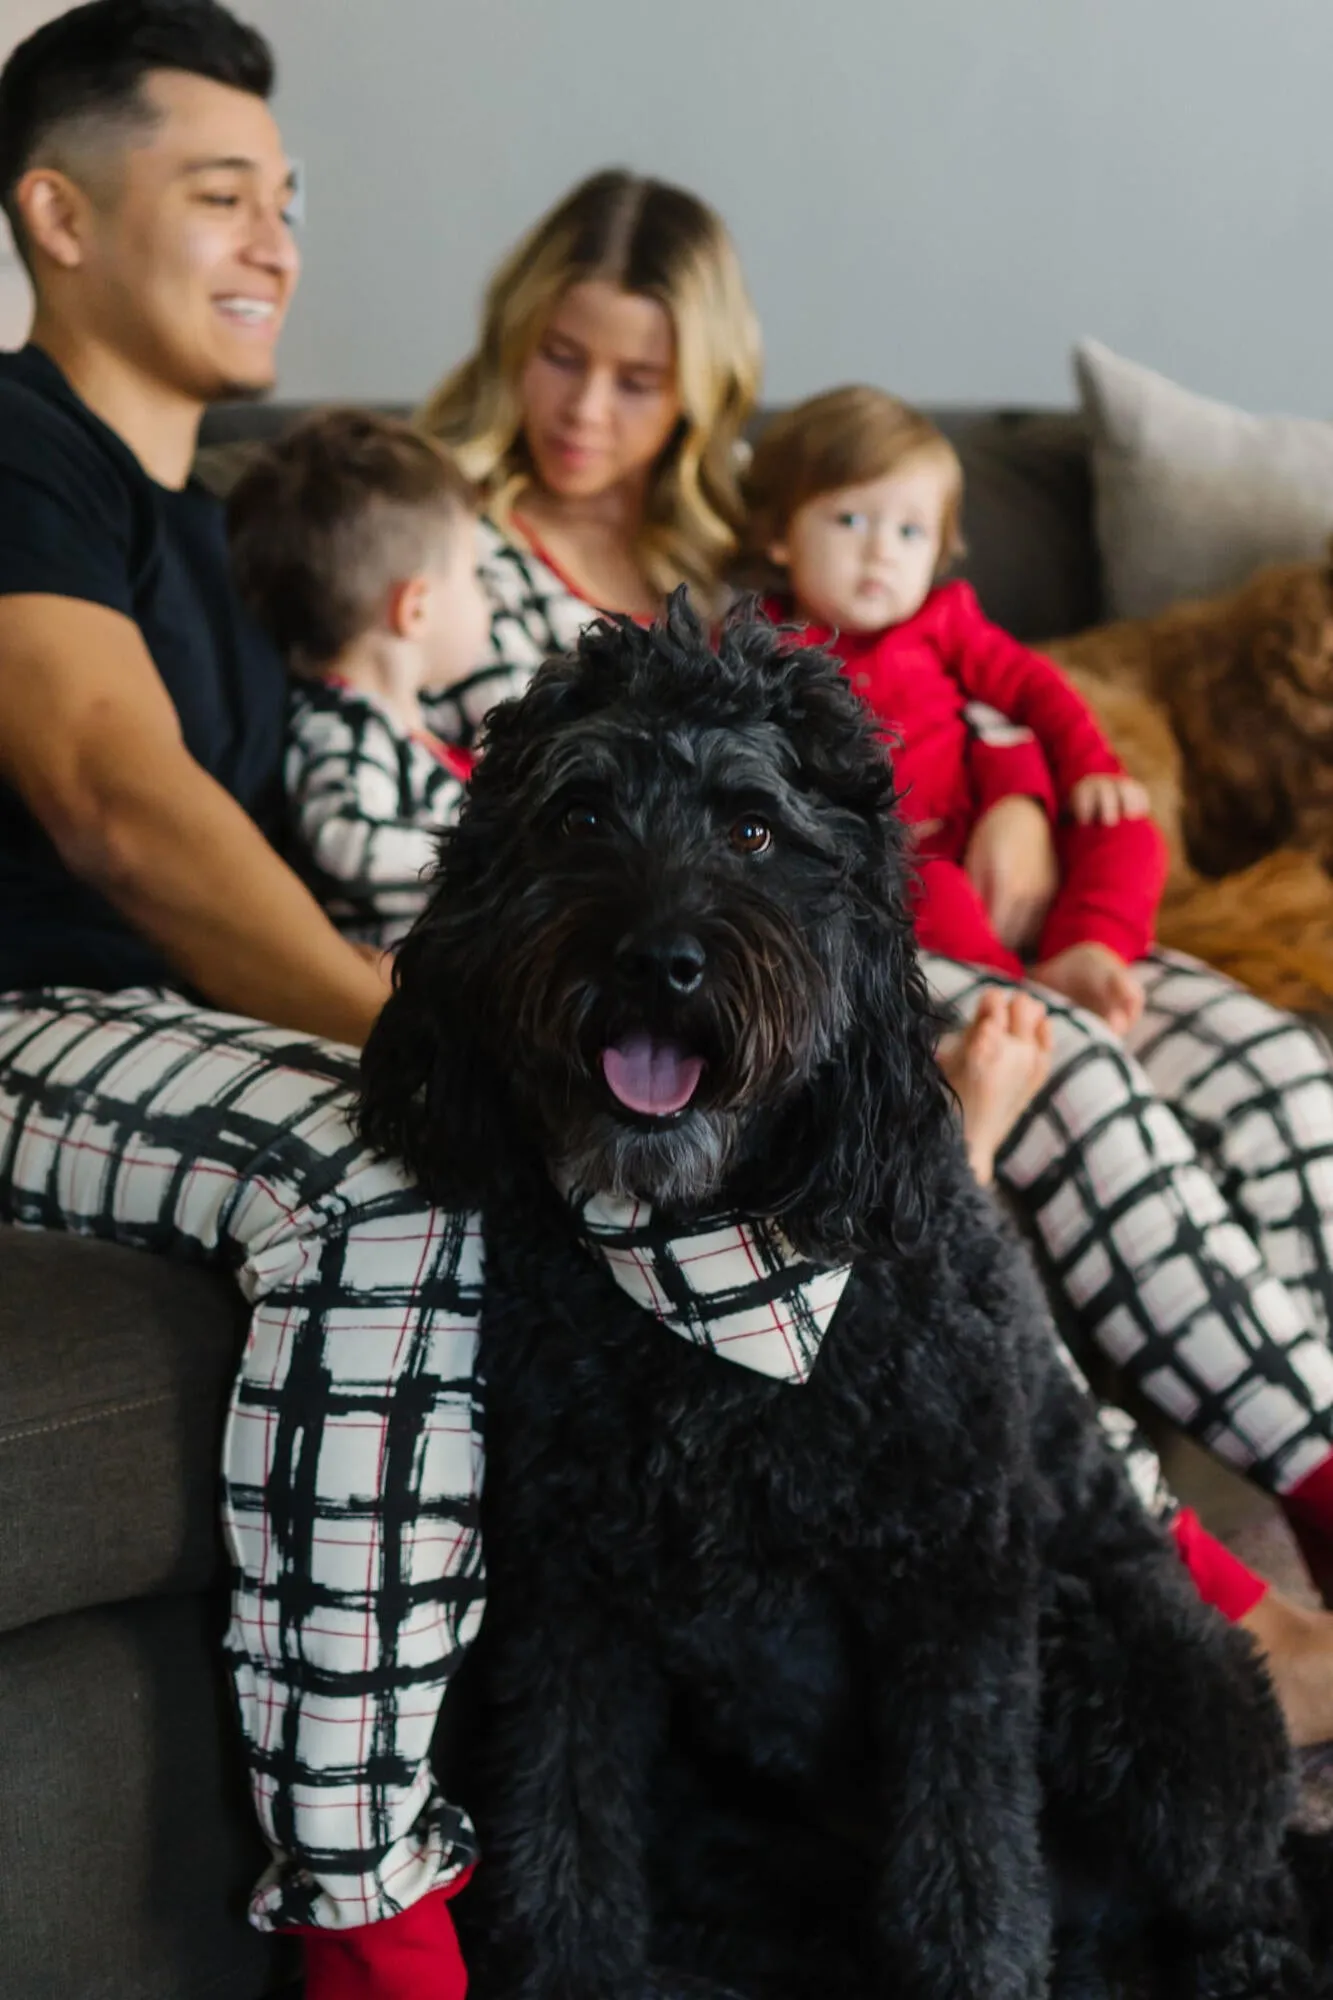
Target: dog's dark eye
x=751, y=835
x=580, y=820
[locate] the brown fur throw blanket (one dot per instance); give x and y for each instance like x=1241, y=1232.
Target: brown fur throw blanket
x=1224, y=709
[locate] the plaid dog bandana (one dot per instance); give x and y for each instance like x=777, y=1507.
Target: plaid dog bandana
x=730, y=1283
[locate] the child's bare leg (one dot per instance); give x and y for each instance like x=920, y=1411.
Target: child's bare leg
x=1297, y=1645
x=996, y=1065
x=1092, y=976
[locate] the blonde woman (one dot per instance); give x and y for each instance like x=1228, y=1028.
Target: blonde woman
x=600, y=418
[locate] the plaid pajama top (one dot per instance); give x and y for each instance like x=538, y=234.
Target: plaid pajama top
x=533, y=614
x=366, y=803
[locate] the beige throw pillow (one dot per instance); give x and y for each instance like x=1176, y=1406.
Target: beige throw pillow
x=1192, y=496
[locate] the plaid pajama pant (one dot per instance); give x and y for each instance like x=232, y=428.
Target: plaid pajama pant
x=352, y=1458
x=1178, y=1187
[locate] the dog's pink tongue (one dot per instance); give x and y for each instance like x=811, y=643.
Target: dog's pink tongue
x=651, y=1077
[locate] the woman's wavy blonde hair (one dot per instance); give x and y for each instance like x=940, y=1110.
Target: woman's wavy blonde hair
x=657, y=242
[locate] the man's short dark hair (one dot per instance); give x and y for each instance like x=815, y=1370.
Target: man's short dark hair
x=86, y=69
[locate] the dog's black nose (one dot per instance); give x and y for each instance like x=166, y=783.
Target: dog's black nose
x=673, y=962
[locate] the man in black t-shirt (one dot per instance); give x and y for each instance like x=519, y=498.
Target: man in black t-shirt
x=140, y=711
x=140, y=739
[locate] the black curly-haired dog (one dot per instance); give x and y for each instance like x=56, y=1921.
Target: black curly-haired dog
x=877, y=1684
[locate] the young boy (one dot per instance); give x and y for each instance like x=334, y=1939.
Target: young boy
x=856, y=499
x=353, y=542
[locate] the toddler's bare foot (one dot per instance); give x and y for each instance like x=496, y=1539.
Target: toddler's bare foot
x=996, y=1065
x=1093, y=977
x=1297, y=1646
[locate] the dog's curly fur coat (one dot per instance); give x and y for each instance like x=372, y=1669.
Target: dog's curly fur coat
x=1224, y=709
x=879, y=1685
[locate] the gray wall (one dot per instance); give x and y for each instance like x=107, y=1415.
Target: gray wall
x=17, y=18
x=937, y=194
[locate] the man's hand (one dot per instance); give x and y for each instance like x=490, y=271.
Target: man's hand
x=1105, y=799
x=1010, y=861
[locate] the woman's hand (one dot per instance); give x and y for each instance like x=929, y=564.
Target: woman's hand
x=1010, y=861
x=1106, y=799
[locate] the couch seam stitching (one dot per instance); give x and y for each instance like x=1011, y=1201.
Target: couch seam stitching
x=25, y=1431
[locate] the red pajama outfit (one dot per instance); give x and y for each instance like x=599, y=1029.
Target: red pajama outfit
x=959, y=695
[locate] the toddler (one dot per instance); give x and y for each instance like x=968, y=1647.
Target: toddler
x=855, y=499
x=353, y=541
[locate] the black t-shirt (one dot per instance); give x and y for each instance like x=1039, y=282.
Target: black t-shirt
x=79, y=517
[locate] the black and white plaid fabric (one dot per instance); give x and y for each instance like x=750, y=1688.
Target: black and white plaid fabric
x=533, y=614
x=732, y=1284
x=365, y=803
x=1179, y=1187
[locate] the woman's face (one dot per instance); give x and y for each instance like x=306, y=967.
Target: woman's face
x=599, y=395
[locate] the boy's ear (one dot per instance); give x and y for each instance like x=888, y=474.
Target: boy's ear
x=779, y=554
x=408, y=605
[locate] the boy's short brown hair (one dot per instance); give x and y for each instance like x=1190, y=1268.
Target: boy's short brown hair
x=331, y=514
x=845, y=437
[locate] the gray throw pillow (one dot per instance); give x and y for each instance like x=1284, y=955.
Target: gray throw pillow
x=1191, y=495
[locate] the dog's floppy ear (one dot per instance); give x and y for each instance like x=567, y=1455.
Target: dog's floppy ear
x=430, y=1095
x=872, y=1128
x=875, y=1124
x=432, y=1091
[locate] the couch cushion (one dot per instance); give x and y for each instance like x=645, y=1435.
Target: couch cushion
x=115, y=1369
x=128, y=1847
x=1031, y=552
x=1193, y=496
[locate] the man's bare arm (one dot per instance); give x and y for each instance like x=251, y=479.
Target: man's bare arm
x=90, y=740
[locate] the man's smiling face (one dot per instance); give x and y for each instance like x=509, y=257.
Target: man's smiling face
x=186, y=257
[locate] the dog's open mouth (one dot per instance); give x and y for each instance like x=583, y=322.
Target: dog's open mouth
x=653, y=1078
